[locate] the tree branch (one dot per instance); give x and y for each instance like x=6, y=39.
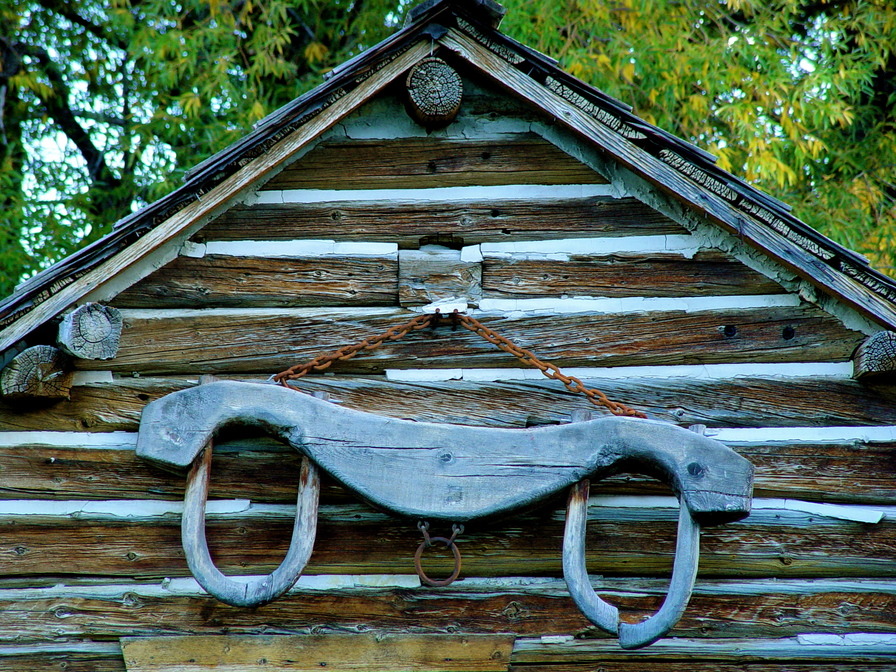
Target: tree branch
x=66, y=12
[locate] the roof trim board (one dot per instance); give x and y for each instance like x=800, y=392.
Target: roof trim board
x=208, y=204
x=466, y=27
x=673, y=183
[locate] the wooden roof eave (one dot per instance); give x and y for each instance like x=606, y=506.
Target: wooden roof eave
x=834, y=281
x=30, y=296
x=198, y=205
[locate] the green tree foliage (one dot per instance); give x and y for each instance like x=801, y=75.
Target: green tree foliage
x=796, y=96
x=104, y=104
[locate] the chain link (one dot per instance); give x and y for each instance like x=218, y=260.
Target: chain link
x=527, y=357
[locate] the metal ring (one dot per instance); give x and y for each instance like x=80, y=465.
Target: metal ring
x=449, y=543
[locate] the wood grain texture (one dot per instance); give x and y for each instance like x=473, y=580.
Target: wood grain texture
x=69, y=661
x=247, y=341
x=474, y=221
x=437, y=273
x=875, y=358
x=353, y=540
x=708, y=273
x=832, y=473
x=217, y=281
x=91, y=331
x=309, y=653
x=735, y=402
x=408, y=163
x=744, y=651
x=525, y=609
x=38, y=373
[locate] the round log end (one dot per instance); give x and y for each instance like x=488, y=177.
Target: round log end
x=435, y=91
x=876, y=357
x=92, y=331
x=40, y=372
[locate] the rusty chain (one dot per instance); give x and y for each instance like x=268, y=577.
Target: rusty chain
x=552, y=371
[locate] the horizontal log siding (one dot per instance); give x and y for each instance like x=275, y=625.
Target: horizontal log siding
x=246, y=341
x=352, y=540
x=852, y=473
x=474, y=221
x=707, y=273
x=220, y=281
x=227, y=281
x=806, y=554
x=542, y=609
x=408, y=163
x=734, y=402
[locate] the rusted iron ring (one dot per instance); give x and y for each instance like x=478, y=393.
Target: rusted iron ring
x=429, y=541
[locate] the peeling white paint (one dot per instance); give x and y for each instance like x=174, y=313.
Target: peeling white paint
x=471, y=254
x=441, y=194
x=850, y=639
x=183, y=586
x=773, y=435
x=91, y=377
x=116, y=440
x=298, y=248
x=684, y=244
x=841, y=370
x=860, y=514
x=636, y=304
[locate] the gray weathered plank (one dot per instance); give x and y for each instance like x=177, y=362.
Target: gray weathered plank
x=473, y=221
x=248, y=341
x=434, y=162
x=707, y=273
x=230, y=281
x=736, y=402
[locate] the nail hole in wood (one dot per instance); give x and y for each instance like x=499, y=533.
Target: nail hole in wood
x=729, y=330
x=788, y=333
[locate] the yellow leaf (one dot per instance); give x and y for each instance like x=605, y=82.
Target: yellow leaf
x=628, y=72
x=316, y=52
x=257, y=111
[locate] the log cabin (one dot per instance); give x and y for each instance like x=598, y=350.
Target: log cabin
x=453, y=168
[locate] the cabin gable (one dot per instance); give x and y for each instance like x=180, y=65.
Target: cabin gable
x=553, y=217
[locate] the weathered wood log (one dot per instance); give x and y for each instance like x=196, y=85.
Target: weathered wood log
x=735, y=402
x=73, y=657
x=91, y=331
x=475, y=221
x=851, y=473
x=309, y=653
x=708, y=273
x=39, y=372
x=235, y=342
x=437, y=273
x=410, y=163
x=353, y=540
x=225, y=281
x=527, y=607
x=799, y=649
x=435, y=92
x=875, y=358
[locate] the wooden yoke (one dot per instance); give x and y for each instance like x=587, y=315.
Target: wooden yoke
x=460, y=473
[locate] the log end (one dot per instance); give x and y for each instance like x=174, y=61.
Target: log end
x=39, y=372
x=875, y=359
x=91, y=331
x=435, y=91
